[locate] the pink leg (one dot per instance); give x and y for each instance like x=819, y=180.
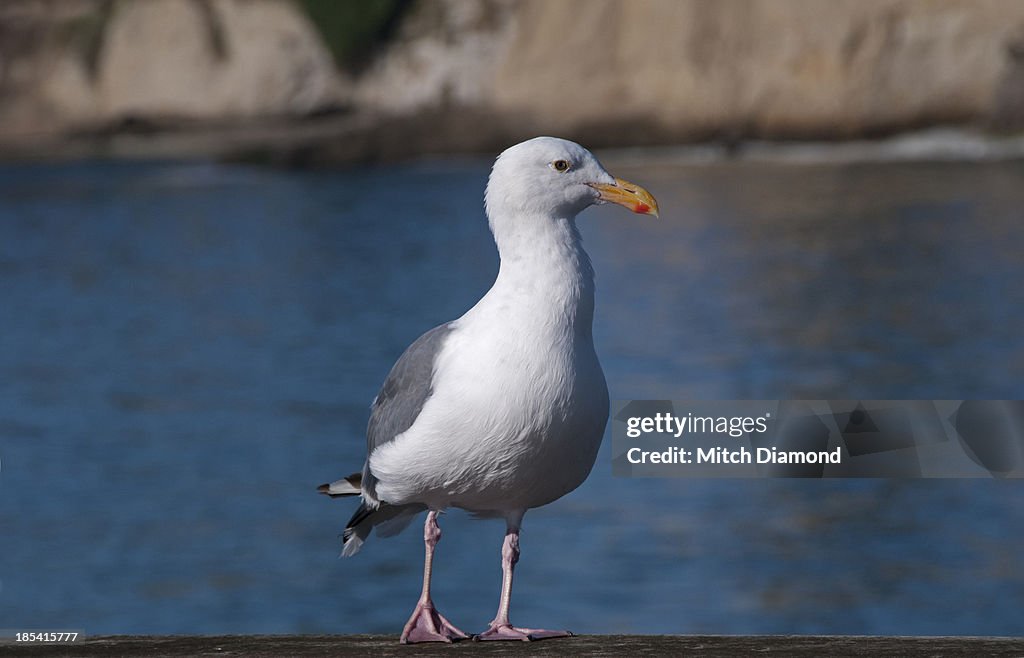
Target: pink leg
x=427, y=624
x=501, y=628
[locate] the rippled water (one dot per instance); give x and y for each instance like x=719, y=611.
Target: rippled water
x=189, y=349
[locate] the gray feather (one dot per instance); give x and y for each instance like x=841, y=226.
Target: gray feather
x=401, y=398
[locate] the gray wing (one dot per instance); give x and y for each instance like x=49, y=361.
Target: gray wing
x=403, y=394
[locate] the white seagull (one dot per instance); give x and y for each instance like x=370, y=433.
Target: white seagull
x=503, y=409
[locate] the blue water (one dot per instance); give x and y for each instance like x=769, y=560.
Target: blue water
x=188, y=349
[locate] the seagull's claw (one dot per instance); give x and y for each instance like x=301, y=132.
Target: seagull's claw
x=509, y=632
x=428, y=625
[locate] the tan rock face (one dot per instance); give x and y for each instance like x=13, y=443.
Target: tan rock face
x=446, y=53
x=472, y=73
x=202, y=59
x=232, y=57
x=693, y=67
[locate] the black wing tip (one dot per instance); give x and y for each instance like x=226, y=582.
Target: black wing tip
x=362, y=513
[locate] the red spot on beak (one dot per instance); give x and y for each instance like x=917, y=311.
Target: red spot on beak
x=641, y=208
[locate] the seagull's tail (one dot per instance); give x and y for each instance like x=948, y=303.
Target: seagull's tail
x=347, y=486
x=388, y=519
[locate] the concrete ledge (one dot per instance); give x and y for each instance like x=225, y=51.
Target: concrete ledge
x=590, y=645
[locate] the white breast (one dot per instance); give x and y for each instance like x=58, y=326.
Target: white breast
x=519, y=403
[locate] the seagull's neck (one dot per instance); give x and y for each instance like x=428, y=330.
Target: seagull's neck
x=545, y=273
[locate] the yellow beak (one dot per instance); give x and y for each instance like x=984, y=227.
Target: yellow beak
x=627, y=194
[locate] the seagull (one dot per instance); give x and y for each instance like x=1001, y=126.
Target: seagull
x=502, y=410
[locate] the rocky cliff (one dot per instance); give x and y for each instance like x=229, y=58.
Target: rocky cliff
x=74, y=63
x=473, y=74
x=650, y=70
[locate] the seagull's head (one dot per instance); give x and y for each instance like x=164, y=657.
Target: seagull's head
x=551, y=177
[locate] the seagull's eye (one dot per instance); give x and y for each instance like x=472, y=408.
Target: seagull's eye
x=561, y=166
